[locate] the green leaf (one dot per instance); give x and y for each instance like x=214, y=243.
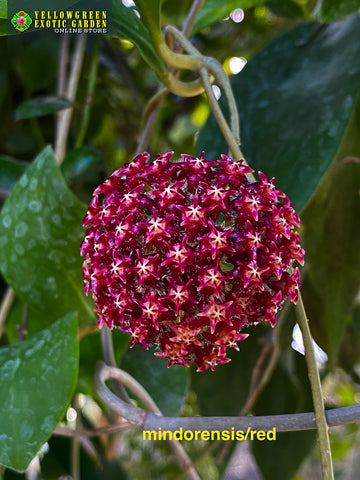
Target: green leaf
x=288, y=391
x=331, y=240
x=41, y=106
x=36, y=63
x=334, y=10
x=39, y=241
x=3, y=27
x=225, y=390
x=285, y=8
x=285, y=394
x=81, y=165
x=125, y=24
x=166, y=386
x=150, y=11
x=10, y=171
x=296, y=98
x=349, y=349
x=91, y=351
x=215, y=10
x=3, y=8
x=37, y=379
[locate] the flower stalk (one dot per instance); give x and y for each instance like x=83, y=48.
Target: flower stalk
x=318, y=400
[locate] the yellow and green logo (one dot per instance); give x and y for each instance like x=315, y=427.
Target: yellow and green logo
x=21, y=21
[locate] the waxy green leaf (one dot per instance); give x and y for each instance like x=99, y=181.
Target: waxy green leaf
x=3, y=27
x=332, y=239
x=285, y=8
x=125, y=24
x=150, y=11
x=10, y=171
x=333, y=10
x=40, y=235
x=232, y=380
x=215, y=10
x=80, y=165
x=37, y=379
x=287, y=391
x=40, y=106
x=167, y=386
x=3, y=8
x=296, y=98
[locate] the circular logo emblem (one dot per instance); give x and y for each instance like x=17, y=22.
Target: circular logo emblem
x=21, y=21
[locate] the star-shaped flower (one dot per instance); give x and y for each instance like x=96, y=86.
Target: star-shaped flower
x=216, y=241
x=215, y=195
x=168, y=193
x=292, y=286
x=267, y=187
x=252, y=275
x=229, y=339
x=272, y=307
x=216, y=312
x=159, y=164
x=250, y=203
x=180, y=294
x=185, y=334
x=212, y=279
x=146, y=268
x=253, y=239
x=198, y=164
x=179, y=255
x=156, y=227
x=194, y=214
x=216, y=357
x=123, y=230
x=280, y=224
x=132, y=198
x=275, y=260
x=175, y=353
x=152, y=308
x=237, y=169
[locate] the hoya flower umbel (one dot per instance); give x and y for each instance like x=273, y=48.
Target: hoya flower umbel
x=185, y=254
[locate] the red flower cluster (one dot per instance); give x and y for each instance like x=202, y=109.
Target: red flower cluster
x=185, y=254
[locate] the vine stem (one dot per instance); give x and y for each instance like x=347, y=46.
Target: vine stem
x=89, y=95
x=204, y=67
x=234, y=148
x=6, y=303
x=148, y=420
x=224, y=127
x=318, y=400
x=150, y=123
x=258, y=382
x=64, y=118
x=191, y=17
x=75, y=443
x=154, y=105
x=107, y=347
x=94, y=432
x=216, y=69
x=62, y=67
x=132, y=413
